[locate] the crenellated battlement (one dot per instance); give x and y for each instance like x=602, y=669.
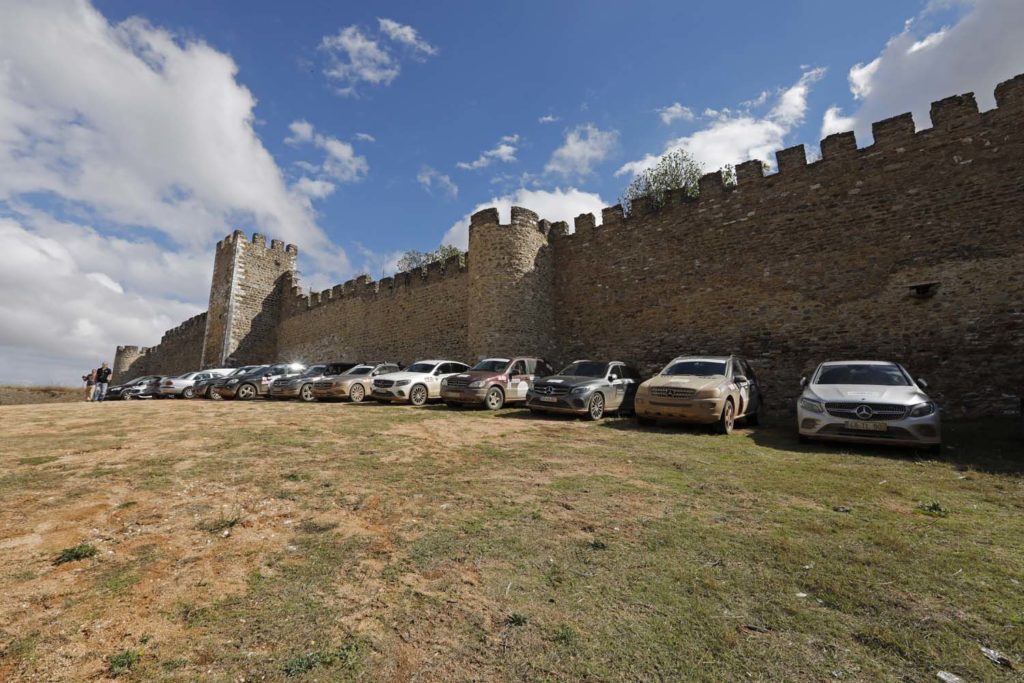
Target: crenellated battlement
x=258, y=240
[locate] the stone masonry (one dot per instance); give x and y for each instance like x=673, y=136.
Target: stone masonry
x=909, y=249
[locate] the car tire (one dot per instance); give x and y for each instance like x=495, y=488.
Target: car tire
x=357, y=393
x=126, y=397
x=727, y=420
x=306, y=393
x=595, y=408
x=187, y=392
x=246, y=392
x=418, y=394
x=213, y=395
x=495, y=398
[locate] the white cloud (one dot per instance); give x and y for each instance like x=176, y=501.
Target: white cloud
x=675, y=111
x=148, y=140
x=355, y=57
x=584, y=147
x=732, y=137
x=548, y=118
x=504, y=151
x=313, y=188
x=918, y=66
x=430, y=178
x=554, y=205
x=834, y=122
x=406, y=35
x=365, y=137
x=340, y=159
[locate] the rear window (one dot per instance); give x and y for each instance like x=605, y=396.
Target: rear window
x=698, y=368
x=859, y=373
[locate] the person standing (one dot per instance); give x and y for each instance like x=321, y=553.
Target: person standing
x=102, y=380
x=90, y=380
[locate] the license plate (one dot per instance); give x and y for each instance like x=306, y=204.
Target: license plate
x=548, y=399
x=866, y=426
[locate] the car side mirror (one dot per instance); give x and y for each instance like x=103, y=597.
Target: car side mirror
x=612, y=378
x=741, y=379
x=803, y=382
x=921, y=383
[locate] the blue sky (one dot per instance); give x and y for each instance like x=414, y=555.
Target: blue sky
x=134, y=135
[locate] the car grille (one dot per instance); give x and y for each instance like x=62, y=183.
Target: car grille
x=551, y=390
x=383, y=383
x=280, y=383
x=673, y=392
x=458, y=381
x=879, y=411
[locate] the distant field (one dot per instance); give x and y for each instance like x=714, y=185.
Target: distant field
x=18, y=395
x=181, y=541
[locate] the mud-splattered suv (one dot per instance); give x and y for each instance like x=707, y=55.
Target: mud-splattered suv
x=494, y=382
x=714, y=390
x=355, y=384
x=585, y=387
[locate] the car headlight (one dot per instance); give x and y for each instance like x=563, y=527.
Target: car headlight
x=580, y=390
x=232, y=381
x=402, y=382
x=709, y=393
x=811, y=405
x=477, y=384
x=444, y=381
x=922, y=409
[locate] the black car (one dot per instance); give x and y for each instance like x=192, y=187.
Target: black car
x=257, y=382
x=586, y=387
x=141, y=387
x=207, y=388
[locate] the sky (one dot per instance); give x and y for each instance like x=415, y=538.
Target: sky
x=134, y=134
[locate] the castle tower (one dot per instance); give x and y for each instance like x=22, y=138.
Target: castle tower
x=245, y=300
x=124, y=358
x=510, y=284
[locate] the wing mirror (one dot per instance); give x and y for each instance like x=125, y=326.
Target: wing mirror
x=612, y=378
x=803, y=382
x=741, y=379
x=921, y=383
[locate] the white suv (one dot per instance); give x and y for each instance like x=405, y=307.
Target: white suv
x=416, y=384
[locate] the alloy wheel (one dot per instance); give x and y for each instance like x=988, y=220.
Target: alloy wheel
x=306, y=392
x=246, y=392
x=187, y=393
x=495, y=398
x=357, y=393
x=596, y=408
x=418, y=395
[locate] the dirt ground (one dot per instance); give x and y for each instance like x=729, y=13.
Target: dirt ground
x=285, y=541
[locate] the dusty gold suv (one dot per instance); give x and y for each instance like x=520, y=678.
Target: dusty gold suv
x=715, y=390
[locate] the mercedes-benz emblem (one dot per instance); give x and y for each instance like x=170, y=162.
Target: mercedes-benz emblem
x=864, y=412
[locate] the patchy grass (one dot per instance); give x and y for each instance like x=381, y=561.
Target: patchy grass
x=373, y=542
x=75, y=553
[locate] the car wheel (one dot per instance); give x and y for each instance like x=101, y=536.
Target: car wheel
x=357, y=393
x=418, y=395
x=187, y=392
x=126, y=397
x=495, y=398
x=595, y=411
x=728, y=419
x=213, y=395
x=246, y=392
x=306, y=393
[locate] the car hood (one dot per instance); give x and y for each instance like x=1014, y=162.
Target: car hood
x=867, y=393
x=395, y=376
x=568, y=381
x=476, y=375
x=684, y=382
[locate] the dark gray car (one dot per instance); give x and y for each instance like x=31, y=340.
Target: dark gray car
x=257, y=383
x=207, y=388
x=588, y=388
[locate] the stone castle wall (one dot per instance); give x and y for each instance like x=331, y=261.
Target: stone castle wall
x=178, y=352
x=814, y=262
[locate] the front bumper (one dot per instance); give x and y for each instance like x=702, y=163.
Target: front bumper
x=284, y=392
x=333, y=391
x=464, y=395
x=171, y=391
x=909, y=431
x=692, y=410
x=575, y=404
x=392, y=394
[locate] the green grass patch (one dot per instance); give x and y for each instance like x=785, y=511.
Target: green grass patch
x=122, y=663
x=75, y=553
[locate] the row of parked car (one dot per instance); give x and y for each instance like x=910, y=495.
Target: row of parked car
x=858, y=401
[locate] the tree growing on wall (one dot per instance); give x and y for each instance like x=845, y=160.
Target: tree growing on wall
x=676, y=170
x=413, y=259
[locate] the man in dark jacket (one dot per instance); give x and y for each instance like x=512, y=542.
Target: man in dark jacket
x=103, y=374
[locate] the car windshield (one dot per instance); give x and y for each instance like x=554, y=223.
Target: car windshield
x=421, y=367
x=585, y=368
x=862, y=373
x=359, y=370
x=314, y=371
x=492, y=365
x=698, y=368
x=247, y=370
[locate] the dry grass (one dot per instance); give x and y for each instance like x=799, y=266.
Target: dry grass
x=11, y=395
x=268, y=541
